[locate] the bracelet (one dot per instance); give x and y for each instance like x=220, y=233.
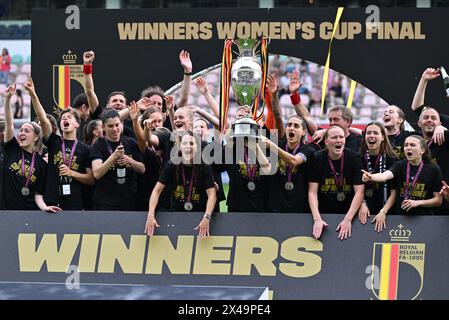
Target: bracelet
x=295, y=98
x=207, y=216
x=87, y=69
x=188, y=73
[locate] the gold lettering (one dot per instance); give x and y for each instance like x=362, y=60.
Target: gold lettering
x=88, y=252
x=165, y=31
x=310, y=263
x=245, y=257
x=191, y=31
x=326, y=30
x=127, y=31
x=226, y=30
x=178, y=260
x=275, y=30
x=205, y=30
x=308, y=30
x=206, y=253
x=243, y=30
x=151, y=31
x=114, y=248
x=179, y=31
x=31, y=260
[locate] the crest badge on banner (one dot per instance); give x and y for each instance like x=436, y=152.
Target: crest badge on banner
x=63, y=86
x=398, y=260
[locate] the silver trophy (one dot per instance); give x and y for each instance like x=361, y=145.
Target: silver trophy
x=246, y=80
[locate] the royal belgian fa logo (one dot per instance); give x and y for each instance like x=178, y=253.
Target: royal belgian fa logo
x=398, y=267
x=63, y=74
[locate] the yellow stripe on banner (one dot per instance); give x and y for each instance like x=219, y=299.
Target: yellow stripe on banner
x=351, y=94
x=328, y=59
x=385, y=271
x=61, y=86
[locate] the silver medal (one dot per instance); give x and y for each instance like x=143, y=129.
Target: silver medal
x=289, y=186
x=341, y=196
x=188, y=206
x=25, y=191
x=251, y=186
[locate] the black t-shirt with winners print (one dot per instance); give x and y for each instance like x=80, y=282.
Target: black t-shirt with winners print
x=108, y=192
x=202, y=180
x=80, y=161
x=14, y=180
x=429, y=181
x=240, y=198
x=282, y=200
x=320, y=171
x=375, y=194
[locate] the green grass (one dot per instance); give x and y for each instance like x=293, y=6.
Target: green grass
x=223, y=206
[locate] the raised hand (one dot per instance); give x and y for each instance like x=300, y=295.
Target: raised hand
x=144, y=103
x=272, y=84
x=294, y=84
x=430, y=74
x=202, y=85
x=88, y=57
x=184, y=59
x=10, y=90
x=134, y=111
x=29, y=86
x=169, y=102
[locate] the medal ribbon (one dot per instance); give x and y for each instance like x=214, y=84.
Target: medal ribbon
x=250, y=169
x=339, y=179
x=287, y=166
x=30, y=173
x=184, y=182
x=72, y=153
x=407, y=194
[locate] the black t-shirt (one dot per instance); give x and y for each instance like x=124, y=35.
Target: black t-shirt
x=14, y=181
x=240, y=197
x=320, y=171
x=202, y=180
x=397, y=142
x=429, y=181
x=108, y=192
x=153, y=169
x=80, y=161
x=282, y=200
x=376, y=194
x=208, y=150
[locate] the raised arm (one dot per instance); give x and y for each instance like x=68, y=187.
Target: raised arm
x=134, y=114
x=92, y=99
x=273, y=87
x=40, y=112
x=151, y=139
x=428, y=74
x=292, y=160
x=170, y=103
x=301, y=110
x=186, y=63
x=9, y=119
x=203, y=87
x=206, y=115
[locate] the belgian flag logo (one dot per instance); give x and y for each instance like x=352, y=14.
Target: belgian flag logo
x=400, y=272
x=68, y=80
